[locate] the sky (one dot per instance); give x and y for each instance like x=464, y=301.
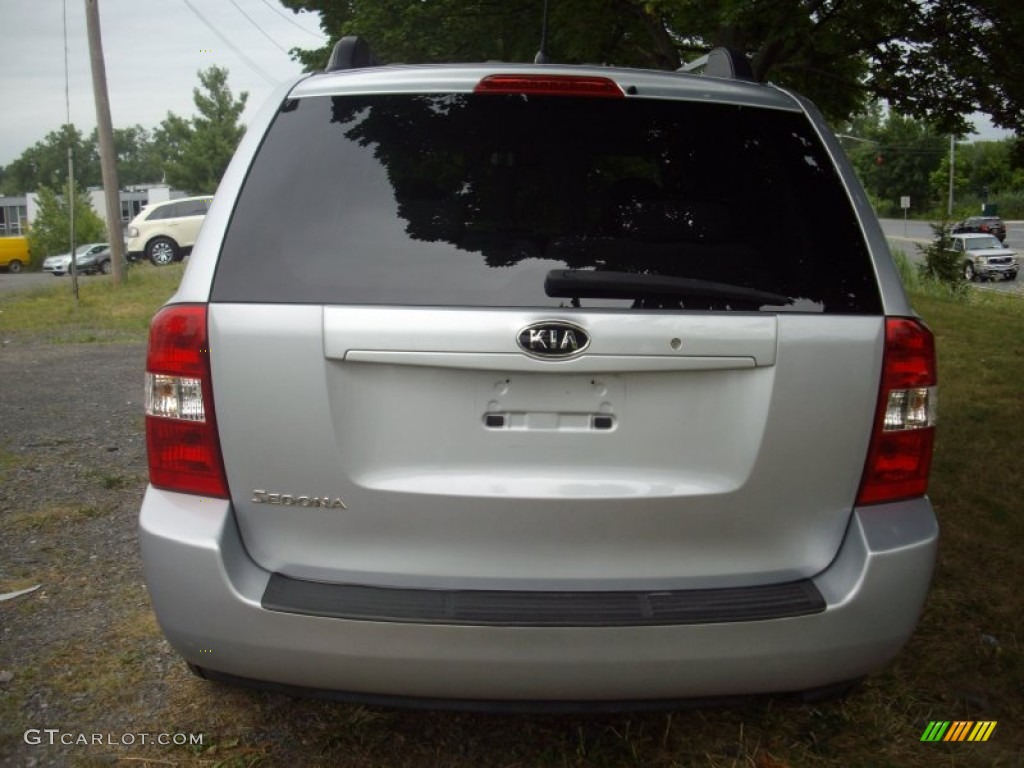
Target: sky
x=153, y=51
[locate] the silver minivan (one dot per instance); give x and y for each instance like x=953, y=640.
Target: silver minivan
x=534, y=385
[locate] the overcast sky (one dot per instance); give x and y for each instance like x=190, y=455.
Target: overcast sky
x=153, y=50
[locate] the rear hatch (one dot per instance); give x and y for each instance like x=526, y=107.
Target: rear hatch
x=543, y=341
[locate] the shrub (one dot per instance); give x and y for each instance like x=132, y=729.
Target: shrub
x=50, y=232
x=940, y=262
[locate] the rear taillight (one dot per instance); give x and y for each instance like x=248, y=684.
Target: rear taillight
x=903, y=435
x=550, y=85
x=181, y=431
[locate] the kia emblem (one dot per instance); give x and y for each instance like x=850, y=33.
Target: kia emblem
x=553, y=340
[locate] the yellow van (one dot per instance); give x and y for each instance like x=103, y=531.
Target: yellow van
x=14, y=253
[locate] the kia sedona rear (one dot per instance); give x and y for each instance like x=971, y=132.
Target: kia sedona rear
x=524, y=386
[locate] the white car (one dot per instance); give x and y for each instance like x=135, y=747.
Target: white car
x=165, y=232
x=984, y=257
x=61, y=265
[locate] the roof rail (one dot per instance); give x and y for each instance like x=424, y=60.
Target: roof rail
x=722, y=62
x=351, y=52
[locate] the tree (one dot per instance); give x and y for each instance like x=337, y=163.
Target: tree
x=137, y=162
x=895, y=156
x=46, y=163
x=201, y=155
x=983, y=172
x=941, y=262
x=170, y=141
x=50, y=232
x=938, y=60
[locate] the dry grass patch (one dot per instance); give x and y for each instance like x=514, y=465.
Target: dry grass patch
x=48, y=519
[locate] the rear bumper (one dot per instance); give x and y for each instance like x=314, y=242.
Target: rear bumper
x=207, y=594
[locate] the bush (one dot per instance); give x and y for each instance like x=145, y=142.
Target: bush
x=49, y=233
x=940, y=262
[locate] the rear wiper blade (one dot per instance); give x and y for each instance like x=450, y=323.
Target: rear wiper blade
x=586, y=284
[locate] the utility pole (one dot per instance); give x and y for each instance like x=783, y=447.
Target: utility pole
x=73, y=266
x=952, y=165
x=105, y=129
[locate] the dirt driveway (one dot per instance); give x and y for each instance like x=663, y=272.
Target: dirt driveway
x=72, y=473
x=86, y=678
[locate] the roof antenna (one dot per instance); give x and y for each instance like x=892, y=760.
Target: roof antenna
x=542, y=54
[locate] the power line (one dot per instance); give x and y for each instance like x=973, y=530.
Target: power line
x=261, y=30
x=252, y=64
x=291, y=21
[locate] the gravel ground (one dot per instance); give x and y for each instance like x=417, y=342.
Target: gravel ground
x=72, y=475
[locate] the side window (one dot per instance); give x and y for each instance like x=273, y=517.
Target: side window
x=190, y=208
x=159, y=213
x=958, y=245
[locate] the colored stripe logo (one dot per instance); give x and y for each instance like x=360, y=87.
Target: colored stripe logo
x=958, y=730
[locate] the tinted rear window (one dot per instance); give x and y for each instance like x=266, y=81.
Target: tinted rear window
x=472, y=200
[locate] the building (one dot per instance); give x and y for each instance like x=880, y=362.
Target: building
x=13, y=216
x=17, y=212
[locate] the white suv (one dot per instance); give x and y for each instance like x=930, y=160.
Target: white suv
x=166, y=232
x=534, y=384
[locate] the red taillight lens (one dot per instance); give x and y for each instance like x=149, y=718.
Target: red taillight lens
x=181, y=431
x=550, y=85
x=903, y=435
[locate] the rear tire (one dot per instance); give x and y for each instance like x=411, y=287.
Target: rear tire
x=14, y=267
x=162, y=251
x=105, y=268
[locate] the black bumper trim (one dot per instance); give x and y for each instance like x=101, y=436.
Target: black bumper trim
x=542, y=609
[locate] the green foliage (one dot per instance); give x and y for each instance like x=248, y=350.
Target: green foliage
x=138, y=161
x=170, y=140
x=45, y=164
x=941, y=60
x=200, y=155
x=895, y=156
x=940, y=262
x=983, y=172
x=50, y=233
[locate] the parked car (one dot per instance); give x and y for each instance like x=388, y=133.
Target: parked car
x=533, y=385
x=98, y=263
x=165, y=232
x=14, y=253
x=990, y=225
x=61, y=265
x=983, y=257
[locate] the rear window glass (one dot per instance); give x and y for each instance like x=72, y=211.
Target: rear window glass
x=476, y=200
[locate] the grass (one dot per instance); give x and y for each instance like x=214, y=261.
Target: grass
x=965, y=662
x=105, y=312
